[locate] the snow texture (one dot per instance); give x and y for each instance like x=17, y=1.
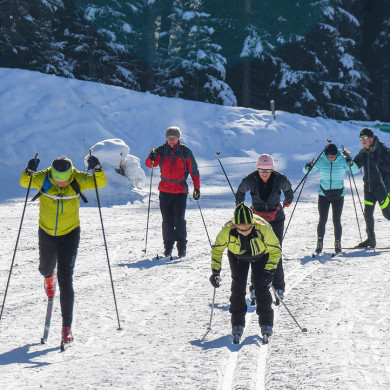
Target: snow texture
x=164, y=306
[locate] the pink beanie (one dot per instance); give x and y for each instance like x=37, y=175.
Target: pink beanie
x=265, y=161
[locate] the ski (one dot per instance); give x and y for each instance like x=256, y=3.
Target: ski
x=321, y=255
x=49, y=310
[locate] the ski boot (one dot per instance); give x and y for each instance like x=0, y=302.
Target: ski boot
x=181, y=252
x=369, y=243
x=67, y=338
x=337, y=247
x=266, y=332
x=237, y=332
x=320, y=245
x=50, y=285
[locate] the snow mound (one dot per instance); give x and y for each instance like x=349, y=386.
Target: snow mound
x=125, y=177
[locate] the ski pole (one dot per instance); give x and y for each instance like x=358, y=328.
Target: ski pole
x=217, y=154
x=105, y=245
x=150, y=194
x=304, y=177
x=289, y=312
x=354, y=204
x=295, y=206
x=204, y=223
x=212, y=308
x=17, y=242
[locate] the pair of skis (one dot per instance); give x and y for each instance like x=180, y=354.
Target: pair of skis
x=237, y=338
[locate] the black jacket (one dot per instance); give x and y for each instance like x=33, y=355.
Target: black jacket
x=376, y=164
x=255, y=185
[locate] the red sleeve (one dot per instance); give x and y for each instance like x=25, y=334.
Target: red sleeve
x=193, y=171
x=148, y=162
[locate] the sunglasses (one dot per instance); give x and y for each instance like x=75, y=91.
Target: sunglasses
x=244, y=230
x=265, y=170
x=364, y=137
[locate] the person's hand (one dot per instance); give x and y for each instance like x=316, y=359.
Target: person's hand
x=32, y=166
x=94, y=164
x=215, y=279
x=266, y=279
x=349, y=160
x=153, y=155
x=196, y=194
x=309, y=165
x=287, y=203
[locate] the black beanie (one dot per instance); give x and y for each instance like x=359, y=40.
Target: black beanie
x=243, y=214
x=368, y=132
x=331, y=149
x=62, y=164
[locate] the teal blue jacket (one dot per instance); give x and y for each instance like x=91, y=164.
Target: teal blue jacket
x=332, y=174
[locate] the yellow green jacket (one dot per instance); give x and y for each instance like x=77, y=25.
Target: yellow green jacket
x=58, y=217
x=264, y=242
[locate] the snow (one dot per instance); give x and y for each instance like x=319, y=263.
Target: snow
x=164, y=306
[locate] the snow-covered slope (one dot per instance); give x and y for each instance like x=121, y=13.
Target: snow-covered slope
x=164, y=307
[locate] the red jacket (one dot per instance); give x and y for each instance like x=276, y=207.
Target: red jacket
x=175, y=165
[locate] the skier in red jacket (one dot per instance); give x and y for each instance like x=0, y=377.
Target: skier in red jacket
x=176, y=162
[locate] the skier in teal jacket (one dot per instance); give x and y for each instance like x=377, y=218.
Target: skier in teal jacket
x=332, y=166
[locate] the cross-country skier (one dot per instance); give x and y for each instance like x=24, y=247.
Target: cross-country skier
x=266, y=186
x=176, y=161
x=60, y=187
x=332, y=166
x=250, y=241
x=374, y=157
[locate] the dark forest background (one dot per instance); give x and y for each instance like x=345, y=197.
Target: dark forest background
x=328, y=58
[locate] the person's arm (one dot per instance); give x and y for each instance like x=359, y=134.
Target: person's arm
x=287, y=190
x=242, y=189
x=192, y=167
x=273, y=249
x=219, y=246
x=155, y=157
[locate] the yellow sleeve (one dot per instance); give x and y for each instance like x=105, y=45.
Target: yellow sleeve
x=273, y=249
x=221, y=242
x=37, y=179
x=87, y=182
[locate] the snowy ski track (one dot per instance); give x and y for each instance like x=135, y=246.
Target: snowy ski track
x=164, y=309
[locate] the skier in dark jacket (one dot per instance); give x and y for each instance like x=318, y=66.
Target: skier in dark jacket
x=374, y=157
x=176, y=162
x=265, y=186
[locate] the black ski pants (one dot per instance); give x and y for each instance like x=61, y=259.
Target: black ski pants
x=238, y=307
x=323, y=210
x=60, y=251
x=278, y=281
x=370, y=199
x=173, y=210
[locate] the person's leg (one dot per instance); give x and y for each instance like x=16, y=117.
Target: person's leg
x=263, y=296
x=278, y=282
x=369, y=208
x=239, y=273
x=179, y=212
x=166, y=208
x=67, y=252
x=47, y=253
x=323, y=211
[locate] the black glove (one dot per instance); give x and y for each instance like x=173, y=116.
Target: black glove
x=32, y=166
x=266, y=279
x=94, y=164
x=196, y=194
x=153, y=155
x=309, y=165
x=215, y=279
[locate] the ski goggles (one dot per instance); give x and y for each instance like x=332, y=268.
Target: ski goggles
x=244, y=230
x=364, y=137
x=265, y=170
x=61, y=176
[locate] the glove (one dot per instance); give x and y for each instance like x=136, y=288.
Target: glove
x=94, y=164
x=196, y=194
x=349, y=160
x=32, y=166
x=287, y=203
x=309, y=165
x=153, y=155
x=266, y=279
x=215, y=279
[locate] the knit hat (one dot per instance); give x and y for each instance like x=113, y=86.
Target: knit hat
x=368, y=132
x=243, y=214
x=61, y=168
x=265, y=161
x=173, y=131
x=331, y=149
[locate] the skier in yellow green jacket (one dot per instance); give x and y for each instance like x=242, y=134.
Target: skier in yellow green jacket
x=249, y=240
x=60, y=187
